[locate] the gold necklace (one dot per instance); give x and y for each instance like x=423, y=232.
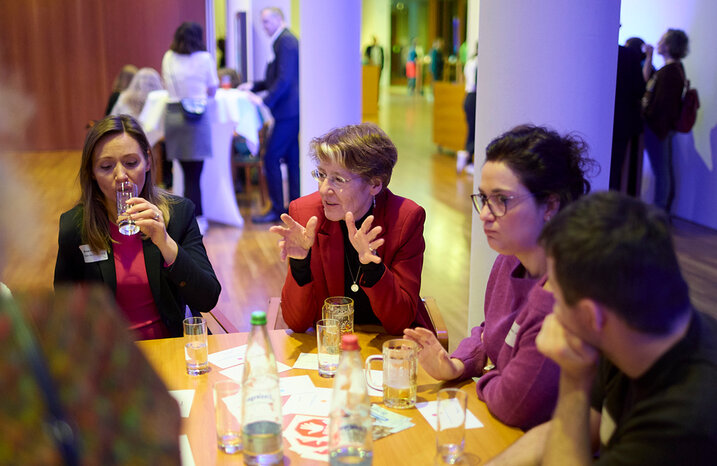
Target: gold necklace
x=354, y=286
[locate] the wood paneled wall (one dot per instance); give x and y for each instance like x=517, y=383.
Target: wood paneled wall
x=66, y=54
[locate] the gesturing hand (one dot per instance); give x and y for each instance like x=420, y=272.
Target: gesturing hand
x=432, y=356
x=296, y=241
x=364, y=239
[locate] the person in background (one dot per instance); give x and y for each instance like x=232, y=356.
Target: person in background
x=411, y=66
x=154, y=275
x=122, y=80
x=221, y=49
x=638, y=46
x=530, y=174
x=374, y=55
x=228, y=78
x=132, y=99
x=638, y=365
x=190, y=74
x=354, y=237
x=281, y=84
x=661, y=106
x=627, y=122
x=464, y=158
x=437, y=61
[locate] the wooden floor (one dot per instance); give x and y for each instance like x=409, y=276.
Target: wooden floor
x=246, y=259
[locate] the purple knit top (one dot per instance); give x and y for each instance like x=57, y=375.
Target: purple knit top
x=522, y=389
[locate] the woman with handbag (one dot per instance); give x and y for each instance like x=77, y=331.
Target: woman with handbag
x=661, y=110
x=190, y=75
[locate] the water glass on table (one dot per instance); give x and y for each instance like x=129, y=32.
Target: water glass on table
x=227, y=407
x=328, y=342
x=126, y=190
x=340, y=308
x=195, y=345
x=450, y=425
x=400, y=366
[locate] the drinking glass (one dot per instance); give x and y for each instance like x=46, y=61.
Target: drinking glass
x=125, y=191
x=340, y=308
x=195, y=345
x=450, y=425
x=328, y=344
x=400, y=365
x=227, y=407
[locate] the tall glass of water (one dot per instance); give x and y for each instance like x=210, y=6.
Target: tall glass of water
x=195, y=345
x=125, y=191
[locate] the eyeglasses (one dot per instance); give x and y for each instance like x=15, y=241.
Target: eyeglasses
x=497, y=203
x=336, y=181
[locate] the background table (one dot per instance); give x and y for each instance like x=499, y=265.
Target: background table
x=229, y=111
x=412, y=446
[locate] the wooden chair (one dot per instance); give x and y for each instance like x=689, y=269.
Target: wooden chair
x=248, y=162
x=275, y=319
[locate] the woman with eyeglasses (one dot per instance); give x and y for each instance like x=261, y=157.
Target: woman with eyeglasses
x=354, y=237
x=530, y=174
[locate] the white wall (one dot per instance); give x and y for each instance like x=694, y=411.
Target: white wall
x=550, y=63
x=694, y=153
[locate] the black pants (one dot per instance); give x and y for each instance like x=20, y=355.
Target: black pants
x=469, y=107
x=282, y=145
x=192, y=173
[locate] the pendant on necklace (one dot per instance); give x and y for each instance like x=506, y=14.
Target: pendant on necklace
x=354, y=288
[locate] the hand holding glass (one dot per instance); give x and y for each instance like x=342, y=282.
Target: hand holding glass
x=328, y=344
x=125, y=191
x=450, y=425
x=195, y=345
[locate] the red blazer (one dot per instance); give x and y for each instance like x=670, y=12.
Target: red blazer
x=395, y=298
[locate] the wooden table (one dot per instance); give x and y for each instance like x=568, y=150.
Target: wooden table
x=415, y=446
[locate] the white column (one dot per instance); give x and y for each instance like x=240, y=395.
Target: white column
x=329, y=72
x=550, y=63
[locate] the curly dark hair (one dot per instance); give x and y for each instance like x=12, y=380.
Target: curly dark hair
x=544, y=162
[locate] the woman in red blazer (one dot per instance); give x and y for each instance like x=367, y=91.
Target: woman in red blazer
x=354, y=237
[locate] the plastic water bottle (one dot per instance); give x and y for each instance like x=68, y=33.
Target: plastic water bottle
x=350, y=423
x=261, y=401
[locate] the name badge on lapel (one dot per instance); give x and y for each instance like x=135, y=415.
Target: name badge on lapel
x=89, y=255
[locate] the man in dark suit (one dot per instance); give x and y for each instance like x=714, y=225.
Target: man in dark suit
x=282, y=85
x=374, y=55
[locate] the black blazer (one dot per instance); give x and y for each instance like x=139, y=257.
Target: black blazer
x=190, y=281
x=282, y=78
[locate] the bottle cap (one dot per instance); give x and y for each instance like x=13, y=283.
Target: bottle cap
x=349, y=342
x=258, y=318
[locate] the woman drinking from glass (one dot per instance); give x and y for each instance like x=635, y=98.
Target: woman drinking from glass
x=155, y=275
x=530, y=174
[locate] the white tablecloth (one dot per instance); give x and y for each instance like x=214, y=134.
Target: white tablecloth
x=230, y=110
